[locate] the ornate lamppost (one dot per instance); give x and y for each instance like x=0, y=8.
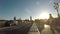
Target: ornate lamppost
x=56, y=6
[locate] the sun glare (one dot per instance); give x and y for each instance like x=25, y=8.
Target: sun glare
x=46, y=26
x=44, y=15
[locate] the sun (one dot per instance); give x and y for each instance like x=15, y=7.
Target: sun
x=44, y=15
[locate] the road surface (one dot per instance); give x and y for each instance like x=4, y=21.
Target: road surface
x=27, y=29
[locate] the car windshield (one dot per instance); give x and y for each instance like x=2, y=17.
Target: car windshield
x=29, y=16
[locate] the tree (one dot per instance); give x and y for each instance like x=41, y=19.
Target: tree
x=56, y=6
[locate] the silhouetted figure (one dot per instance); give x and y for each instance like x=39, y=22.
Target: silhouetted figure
x=50, y=22
x=52, y=29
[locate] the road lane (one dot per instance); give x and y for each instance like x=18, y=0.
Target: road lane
x=21, y=30
x=33, y=29
x=24, y=29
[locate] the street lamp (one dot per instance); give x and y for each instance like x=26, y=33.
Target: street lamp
x=56, y=6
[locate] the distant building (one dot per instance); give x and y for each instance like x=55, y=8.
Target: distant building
x=26, y=21
x=15, y=21
x=19, y=21
x=30, y=18
x=15, y=18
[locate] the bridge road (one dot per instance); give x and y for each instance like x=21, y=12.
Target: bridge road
x=47, y=30
x=34, y=29
x=23, y=29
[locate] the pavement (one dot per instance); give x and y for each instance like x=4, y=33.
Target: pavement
x=29, y=28
x=21, y=29
x=33, y=29
x=46, y=30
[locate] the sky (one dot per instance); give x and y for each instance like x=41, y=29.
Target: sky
x=25, y=8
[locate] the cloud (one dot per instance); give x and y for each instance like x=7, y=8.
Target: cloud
x=28, y=11
x=58, y=1
x=37, y=2
x=52, y=1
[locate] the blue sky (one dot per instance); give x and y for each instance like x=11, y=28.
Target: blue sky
x=26, y=8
